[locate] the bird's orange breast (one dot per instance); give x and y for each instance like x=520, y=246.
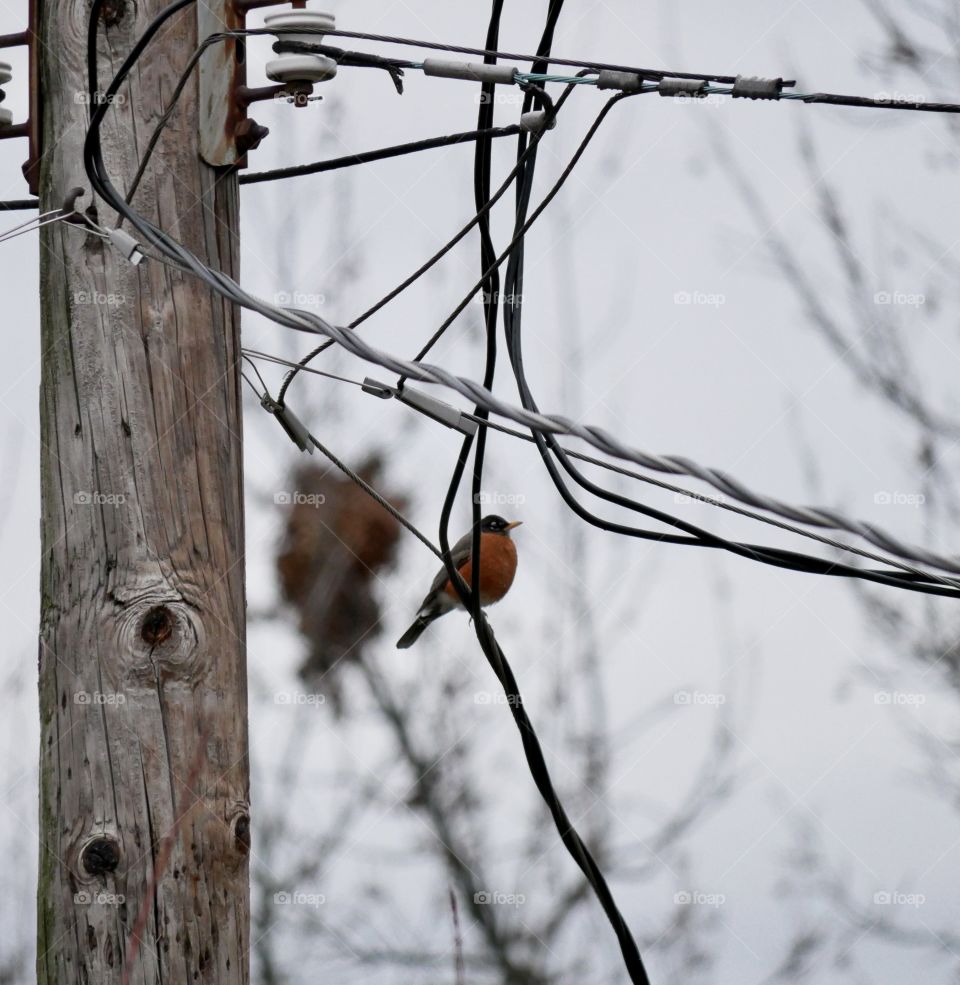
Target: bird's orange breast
x=498, y=565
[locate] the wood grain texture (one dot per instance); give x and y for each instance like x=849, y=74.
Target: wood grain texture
x=142, y=656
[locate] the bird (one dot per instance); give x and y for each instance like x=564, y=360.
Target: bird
x=498, y=565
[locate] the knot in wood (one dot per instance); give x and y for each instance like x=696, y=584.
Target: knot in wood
x=100, y=856
x=158, y=633
x=157, y=626
x=241, y=833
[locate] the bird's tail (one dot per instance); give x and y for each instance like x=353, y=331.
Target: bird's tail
x=424, y=618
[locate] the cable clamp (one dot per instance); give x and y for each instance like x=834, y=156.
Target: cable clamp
x=294, y=427
x=749, y=87
x=692, y=88
x=470, y=71
x=537, y=121
x=437, y=410
x=625, y=81
x=126, y=244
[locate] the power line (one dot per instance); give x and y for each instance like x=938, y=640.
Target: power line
x=907, y=577
x=517, y=239
x=382, y=153
x=367, y=60
x=477, y=218
x=655, y=74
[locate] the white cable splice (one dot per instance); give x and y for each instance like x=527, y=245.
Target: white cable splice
x=470, y=71
x=126, y=245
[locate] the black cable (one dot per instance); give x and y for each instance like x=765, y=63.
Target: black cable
x=805, y=563
x=355, y=59
x=489, y=282
x=647, y=73
x=382, y=153
x=376, y=496
x=20, y=205
x=471, y=600
x=835, y=99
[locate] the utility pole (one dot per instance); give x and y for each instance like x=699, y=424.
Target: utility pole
x=144, y=779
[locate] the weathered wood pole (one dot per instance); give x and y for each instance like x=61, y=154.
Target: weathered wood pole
x=144, y=782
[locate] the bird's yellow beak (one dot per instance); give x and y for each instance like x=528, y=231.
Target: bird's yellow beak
x=514, y=523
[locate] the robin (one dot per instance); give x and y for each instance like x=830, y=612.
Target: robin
x=498, y=565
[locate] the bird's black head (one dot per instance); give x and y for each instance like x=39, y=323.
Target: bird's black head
x=494, y=524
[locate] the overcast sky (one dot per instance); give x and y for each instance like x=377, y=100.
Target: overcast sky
x=736, y=380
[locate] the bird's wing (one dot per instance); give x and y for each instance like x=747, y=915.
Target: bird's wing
x=460, y=553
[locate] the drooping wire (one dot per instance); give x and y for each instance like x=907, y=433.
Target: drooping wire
x=381, y=154
x=268, y=403
x=478, y=217
x=522, y=231
x=547, y=443
x=471, y=596
x=908, y=577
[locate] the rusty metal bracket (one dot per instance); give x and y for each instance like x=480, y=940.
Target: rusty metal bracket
x=222, y=72
x=30, y=128
x=226, y=132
